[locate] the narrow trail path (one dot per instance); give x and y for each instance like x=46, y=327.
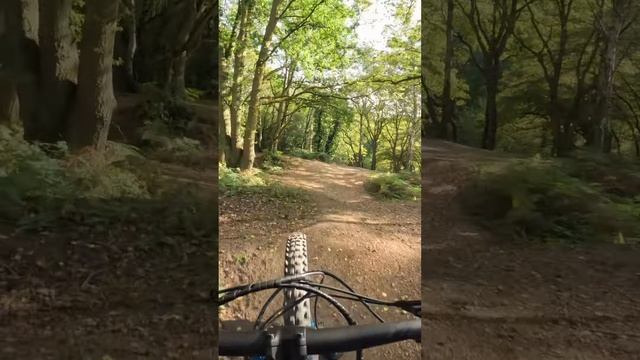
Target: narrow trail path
x=488, y=298
x=370, y=243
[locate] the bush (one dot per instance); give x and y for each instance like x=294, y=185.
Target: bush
x=413, y=178
x=232, y=181
x=193, y=94
x=48, y=170
x=272, y=161
x=165, y=141
x=391, y=186
x=540, y=200
x=183, y=151
x=45, y=187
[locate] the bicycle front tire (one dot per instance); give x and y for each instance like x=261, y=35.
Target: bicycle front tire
x=295, y=263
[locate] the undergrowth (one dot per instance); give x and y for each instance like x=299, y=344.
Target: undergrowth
x=169, y=133
x=273, y=162
x=556, y=201
x=393, y=186
x=232, y=181
x=46, y=186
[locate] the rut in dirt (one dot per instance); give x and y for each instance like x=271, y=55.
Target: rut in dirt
x=372, y=244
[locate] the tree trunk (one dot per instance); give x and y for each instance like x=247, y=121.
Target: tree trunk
x=374, y=154
x=9, y=105
x=328, y=147
x=21, y=62
x=132, y=46
x=413, y=131
x=178, y=84
x=248, y=154
x=224, y=131
x=319, y=135
x=611, y=32
x=59, y=70
x=130, y=28
x=491, y=113
x=431, y=108
x=447, y=102
x=556, y=131
x=275, y=125
x=605, y=91
x=9, y=108
x=89, y=125
x=308, y=128
x=360, y=137
x=244, y=13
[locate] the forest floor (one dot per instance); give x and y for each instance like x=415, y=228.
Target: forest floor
x=123, y=292
x=489, y=298
x=370, y=243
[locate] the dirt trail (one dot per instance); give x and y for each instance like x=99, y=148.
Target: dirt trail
x=490, y=299
x=124, y=292
x=372, y=244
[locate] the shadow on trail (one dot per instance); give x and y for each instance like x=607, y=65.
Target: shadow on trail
x=121, y=278
x=489, y=298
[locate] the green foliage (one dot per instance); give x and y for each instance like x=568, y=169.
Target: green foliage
x=411, y=177
x=45, y=187
x=181, y=150
x=194, y=94
x=31, y=172
x=106, y=174
x=166, y=116
x=317, y=66
x=541, y=200
x=232, y=181
x=166, y=125
x=273, y=161
x=77, y=20
x=392, y=186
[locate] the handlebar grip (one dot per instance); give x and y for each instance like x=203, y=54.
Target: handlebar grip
x=351, y=338
x=323, y=341
x=242, y=343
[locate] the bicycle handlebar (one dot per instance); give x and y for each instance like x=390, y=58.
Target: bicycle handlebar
x=322, y=341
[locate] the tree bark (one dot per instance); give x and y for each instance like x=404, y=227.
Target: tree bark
x=308, y=128
x=328, y=146
x=491, y=112
x=59, y=70
x=89, y=125
x=9, y=105
x=130, y=29
x=374, y=154
x=244, y=14
x=178, y=83
x=412, y=131
x=319, y=134
x=9, y=111
x=248, y=154
x=20, y=60
x=611, y=32
x=360, y=138
x=447, y=102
